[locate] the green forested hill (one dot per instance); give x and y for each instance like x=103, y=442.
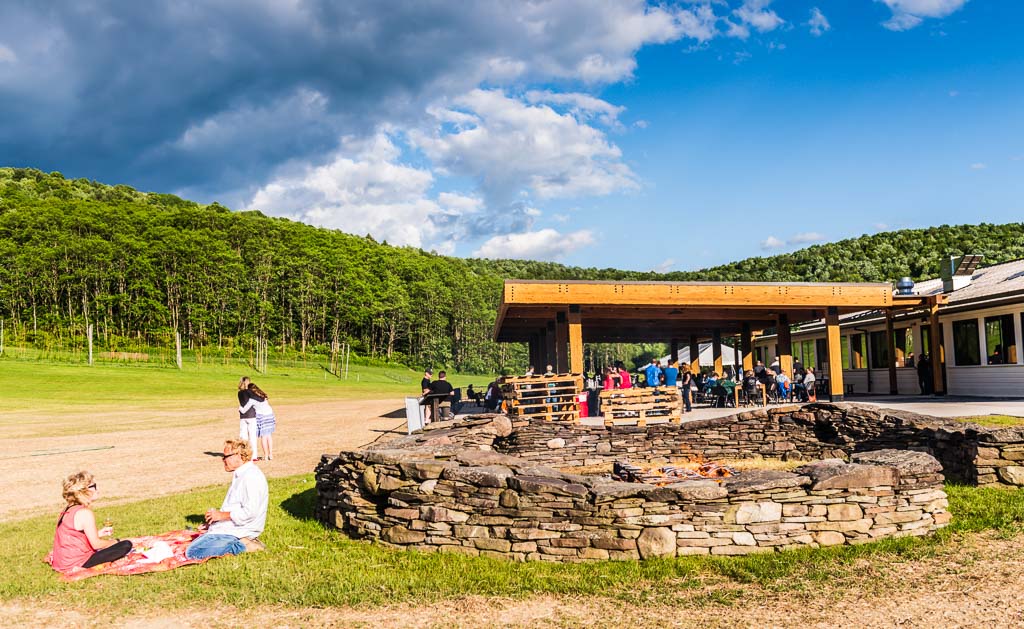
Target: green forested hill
x=142, y=265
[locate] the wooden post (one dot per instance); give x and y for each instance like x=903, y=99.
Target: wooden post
x=736, y=361
x=716, y=349
x=936, y=357
x=747, y=345
x=348, y=352
x=785, y=340
x=89, y=329
x=890, y=340
x=674, y=351
x=575, y=340
x=694, y=355
x=177, y=347
x=835, y=355
x=549, y=347
x=561, y=364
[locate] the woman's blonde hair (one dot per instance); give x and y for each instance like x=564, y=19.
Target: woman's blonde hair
x=76, y=488
x=239, y=447
x=243, y=384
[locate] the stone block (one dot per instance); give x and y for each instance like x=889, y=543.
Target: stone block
x=431, y=513
x=907, y=462
x=698, y=490
x=614, y=543
x=703, y=543
x=569, y=542
x=744, y=539
x=468, y=531
x=835, y=474
x=899, y=517
x=532, y=534
x=753, y=512
x=844, y=512
x=598, y=554
x=735, y=550
x=656, y=542
x=423, y=469
x=481, y=476
x=487, y=543
x=1012, y=474
x=623, y=555
x=524, y=547
x=401, y=535
x=795, y=510
x=829, y=538
x=692, y=550
x=544, y=485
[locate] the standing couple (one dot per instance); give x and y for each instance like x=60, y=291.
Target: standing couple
x=256, y=419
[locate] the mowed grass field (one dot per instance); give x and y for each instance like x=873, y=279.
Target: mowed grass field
x=51, y=399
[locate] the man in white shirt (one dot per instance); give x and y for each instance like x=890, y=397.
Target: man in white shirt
x=236, y=526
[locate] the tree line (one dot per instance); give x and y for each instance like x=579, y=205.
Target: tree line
x=140, y=266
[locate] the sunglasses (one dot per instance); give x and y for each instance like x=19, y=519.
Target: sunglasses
x=92, y=487
x=228, y=456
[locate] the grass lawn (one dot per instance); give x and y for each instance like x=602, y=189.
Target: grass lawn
x=993, y=421
x=48, y=399
x=310, y=566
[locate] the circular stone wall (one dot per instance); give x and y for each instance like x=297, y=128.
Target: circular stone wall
x=449, y=490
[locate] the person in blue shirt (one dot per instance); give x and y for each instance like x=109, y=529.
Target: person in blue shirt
x=653, y=373
x=671, y=374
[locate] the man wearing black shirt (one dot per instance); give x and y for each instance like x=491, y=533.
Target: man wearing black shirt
x=425, y=382
x=442, y=390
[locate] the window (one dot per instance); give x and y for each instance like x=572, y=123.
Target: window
x=1000, y=341
x=858, y=351
x=904, y=347
x=926, y=340
x=879, y=350
x=804, y=352
x=965, y=342
x=844, y=352
x=821, y=348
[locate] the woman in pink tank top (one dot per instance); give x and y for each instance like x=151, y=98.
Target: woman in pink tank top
x=76, y=542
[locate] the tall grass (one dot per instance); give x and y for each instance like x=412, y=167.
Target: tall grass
x=307, y=565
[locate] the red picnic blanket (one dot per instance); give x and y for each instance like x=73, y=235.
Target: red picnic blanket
x=136, y=562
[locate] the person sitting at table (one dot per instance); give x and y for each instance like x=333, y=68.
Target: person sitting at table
x=493, y=396
x=76, y=542
x=783, y=383
x=608, y=379
x=751, y=386
x=474, y=395
x=625, y=380
x=443, y=390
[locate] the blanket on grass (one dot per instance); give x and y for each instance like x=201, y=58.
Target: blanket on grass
x=136, y=561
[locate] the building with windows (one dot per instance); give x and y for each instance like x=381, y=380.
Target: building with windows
x=980, y=331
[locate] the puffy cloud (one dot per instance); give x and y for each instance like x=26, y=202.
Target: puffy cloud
x=507, y=146
x=771, y=242
x=906, y=14
x=979, y=166
x=664, y=266
x=818, y=23
x=755, y=13
x=544, y=244
x=134, y=92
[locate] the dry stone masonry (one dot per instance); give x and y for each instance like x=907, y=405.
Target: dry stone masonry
x=489, y=486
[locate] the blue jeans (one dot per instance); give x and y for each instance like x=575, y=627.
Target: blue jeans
x=214, y=545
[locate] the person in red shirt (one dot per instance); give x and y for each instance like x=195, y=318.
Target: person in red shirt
x=76, y=542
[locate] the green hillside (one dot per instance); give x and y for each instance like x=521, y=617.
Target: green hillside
x=141, y=265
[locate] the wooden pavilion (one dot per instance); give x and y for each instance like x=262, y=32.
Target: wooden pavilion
x=555, y=318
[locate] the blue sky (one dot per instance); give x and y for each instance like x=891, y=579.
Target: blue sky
x=598, y=133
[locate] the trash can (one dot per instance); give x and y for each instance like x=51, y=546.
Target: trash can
x=581, y=399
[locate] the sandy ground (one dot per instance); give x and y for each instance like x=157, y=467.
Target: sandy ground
x=132, y=465
x=974, y=584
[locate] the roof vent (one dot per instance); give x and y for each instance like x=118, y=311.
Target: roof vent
x=956, y=273
x=905, y=286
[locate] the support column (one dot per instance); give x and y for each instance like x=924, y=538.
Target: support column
x=575, y=340
x=534, y=347
x=550, y=354
x=561, y=363
x=736, y=364
x=674, y=350
x=890, y=340
x=694, y=354
x=835, y=355
x=716, y=350
x=747, y=346
x=935, y=350
x=785, y=340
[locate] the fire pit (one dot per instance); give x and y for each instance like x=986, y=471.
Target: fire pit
x=459, y=489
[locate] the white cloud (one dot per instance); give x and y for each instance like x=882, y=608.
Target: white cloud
x=953, y=93
x=818, y=23
x=664, y=266
x=511, y=146
x=582, y=106
x=756, y=13
x=544, y=244
x=739, y=31
x=979, y=166
x=771, y=242
x=7, y=55
x=906, y=14
x=805, y=237
x=361, y=191
x=881, y=226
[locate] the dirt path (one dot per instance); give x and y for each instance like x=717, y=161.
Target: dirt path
x=974, y=584
x=142, y=463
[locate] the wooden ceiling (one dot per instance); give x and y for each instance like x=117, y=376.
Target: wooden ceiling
x=631, y=312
